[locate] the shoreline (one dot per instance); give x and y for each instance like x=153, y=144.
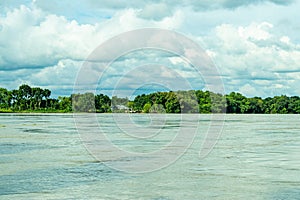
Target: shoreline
x=35, y=112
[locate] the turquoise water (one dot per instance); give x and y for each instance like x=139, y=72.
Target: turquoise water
x=44, y=157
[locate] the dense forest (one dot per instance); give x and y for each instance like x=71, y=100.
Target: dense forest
x=35, y=99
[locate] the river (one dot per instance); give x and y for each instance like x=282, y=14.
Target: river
x=48, y=156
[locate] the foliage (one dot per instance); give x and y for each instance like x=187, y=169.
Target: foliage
x=35, y=99
x=146, y=108
x=102, y=103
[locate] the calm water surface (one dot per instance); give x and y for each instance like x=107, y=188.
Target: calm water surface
x=256, y=157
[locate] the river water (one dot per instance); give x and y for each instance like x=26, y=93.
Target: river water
x=47, y=156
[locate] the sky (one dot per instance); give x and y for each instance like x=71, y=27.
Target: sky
x=254, y=45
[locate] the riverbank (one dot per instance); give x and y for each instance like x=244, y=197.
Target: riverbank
x=32, y=111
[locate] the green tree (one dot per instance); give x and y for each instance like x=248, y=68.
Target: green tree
x=188, y=101
x=218, y=103
x=83, y=102
x=156, y=108
x=5, y=98
x=46, y=94
x=255, y=105
x=172, y=103
x=65, y=104
x=102, y=103
x=294, y=105
x=37, y=97
x=280, y=104
x=25, y=94
x=140, y=101
x=204, y=101
x=146, y=108
x=130, y=105
x=236, y=103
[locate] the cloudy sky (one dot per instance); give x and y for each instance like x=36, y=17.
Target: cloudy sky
x=254, y=44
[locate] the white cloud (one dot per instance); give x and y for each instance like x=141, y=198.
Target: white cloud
x=49, y=49
x=156, y=11
x=255, y=44
x=285, y=39
x=248, y=90
x=240, y=50
x=31, y=38
x=256, y=31
x=241, y=56
x=137, y=4
x=63, y=73
x=148, y=66
x=60, y=78
x=176, y=60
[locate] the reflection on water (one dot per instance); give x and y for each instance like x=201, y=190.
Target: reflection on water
x=256, y=157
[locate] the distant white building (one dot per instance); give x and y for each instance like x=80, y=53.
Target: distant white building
x=120, y=108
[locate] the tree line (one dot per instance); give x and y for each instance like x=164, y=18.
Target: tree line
x=35, y=99
x=209, y=102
